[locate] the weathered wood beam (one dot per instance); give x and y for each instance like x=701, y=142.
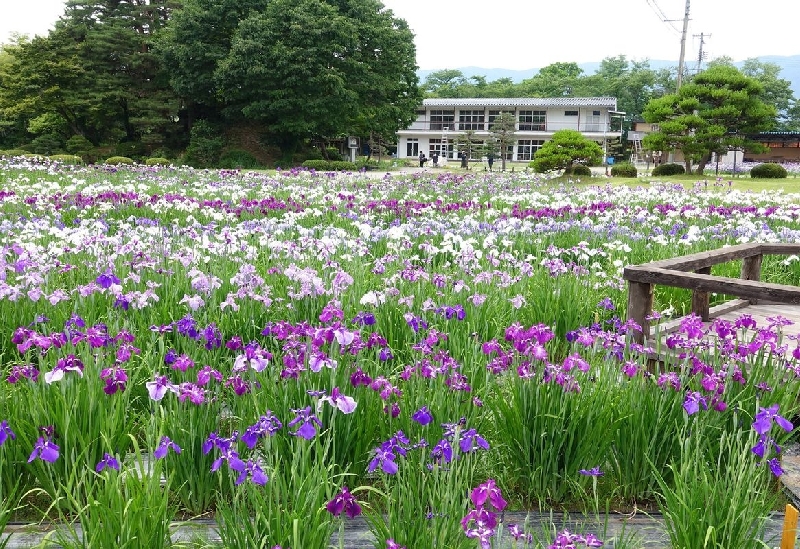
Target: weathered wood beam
x=640, y=305
x=700, y=298
x=750, y=289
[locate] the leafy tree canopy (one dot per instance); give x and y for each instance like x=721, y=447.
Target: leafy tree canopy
x=565, y=149
x=711, y=114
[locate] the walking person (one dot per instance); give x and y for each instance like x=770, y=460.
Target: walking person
x=435, y=157
x=490, y=160
x=422, y=160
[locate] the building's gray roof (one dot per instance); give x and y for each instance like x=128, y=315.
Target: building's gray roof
x=610, y=102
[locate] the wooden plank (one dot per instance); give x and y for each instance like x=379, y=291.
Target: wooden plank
x=700, y=298
x=640, y=305
x=751, y=270
x=730, y=286
x=789, y=527
x=700, y=260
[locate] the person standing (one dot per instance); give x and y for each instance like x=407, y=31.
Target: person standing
x=463, y=156
x=490, y=160
x=435, y=157
x=422, y=160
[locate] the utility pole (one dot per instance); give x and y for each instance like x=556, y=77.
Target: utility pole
x=683, y=46
x=702, y=54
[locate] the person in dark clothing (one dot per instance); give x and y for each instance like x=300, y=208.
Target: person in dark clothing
x=422, y=160
x=435, y=158
x=463, y=156
x=490, y=160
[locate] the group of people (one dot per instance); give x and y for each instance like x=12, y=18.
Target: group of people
x=461, y=154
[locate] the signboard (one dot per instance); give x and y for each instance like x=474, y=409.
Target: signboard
x=352, y=142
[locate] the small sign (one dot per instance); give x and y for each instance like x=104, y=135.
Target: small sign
x=352, y=142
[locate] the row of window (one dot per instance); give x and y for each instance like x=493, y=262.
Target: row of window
x=475, y=119
x=526, y=148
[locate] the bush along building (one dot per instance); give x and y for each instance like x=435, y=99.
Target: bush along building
x=443, y=126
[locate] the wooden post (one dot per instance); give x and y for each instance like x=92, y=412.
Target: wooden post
x=700, y=298
x=751, y=270
x=789, y=527
x=640, y=305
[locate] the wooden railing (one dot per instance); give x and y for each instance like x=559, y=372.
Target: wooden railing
x=694, y=273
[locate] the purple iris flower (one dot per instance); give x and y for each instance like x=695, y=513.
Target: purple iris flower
x=108, y=461
x=775, y=466
x=488, y=491
x=115, y=379
x=471, y=440
x=106, y=279
x=422, y=416
x=310, y=422
x=158, y=388
x=255, y=472
x=44, y=449
x=593, y=472
x=693, y=401
x=384, y=457
x=443, y=451
x=267, y=425
x=764, y=418
x=344, y=501
x=164, y=446
x=6, y=432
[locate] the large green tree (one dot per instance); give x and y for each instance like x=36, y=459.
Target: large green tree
x=564, y=150
x=713, y=113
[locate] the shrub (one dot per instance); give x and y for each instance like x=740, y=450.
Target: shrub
x=669, y=169
x=330, y=165
x=238, y=159
x=624, y=169
x=157, y=161
x=114, y=160
x=205, y=145
x=130, y=149
x=14, y=152
x=581, y=170
x=66, y=158
x=769, y=170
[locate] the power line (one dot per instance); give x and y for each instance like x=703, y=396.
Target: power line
x=662, y=16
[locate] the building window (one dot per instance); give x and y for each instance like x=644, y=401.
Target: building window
x=441, y=147
x=442, y=119
x=526, y=148
x=532, y=121
x=595, y=113
x=470, y=120
x=492, y=116
x=570, y=113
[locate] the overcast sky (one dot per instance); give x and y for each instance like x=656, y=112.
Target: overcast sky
x=523, y=34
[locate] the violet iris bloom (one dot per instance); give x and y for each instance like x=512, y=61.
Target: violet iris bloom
x=164, y=446
x=106, y=279
x=254, y=471
x=310, y=422
x=108, y=461
x=488, y=491
x=764, y=418
x=158, y=388
x=6, y=432
x=44, y=449
x=344, y=501
x=422, y=416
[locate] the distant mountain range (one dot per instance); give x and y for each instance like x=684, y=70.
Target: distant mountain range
x=790, y=70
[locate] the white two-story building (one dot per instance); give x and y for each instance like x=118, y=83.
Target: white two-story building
x=440, y=121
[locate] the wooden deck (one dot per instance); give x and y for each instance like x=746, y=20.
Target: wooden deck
x=762, y=300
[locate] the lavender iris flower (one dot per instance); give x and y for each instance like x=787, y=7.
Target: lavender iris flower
x=309, y=421
x=44, y=449
x=106, y=279
x=422, y=416
x=764, y=418
x=6, y=432
x=108, y=461
x=164, y=446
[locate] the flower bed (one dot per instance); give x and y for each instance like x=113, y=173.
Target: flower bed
x=305, y=347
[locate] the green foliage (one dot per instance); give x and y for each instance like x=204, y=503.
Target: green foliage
x=116, y=160
x=564, y=149
x=238, y=159
x=712, y=114
x=78, y=145
x=205, y=145
x=46, y=144
x=14, y=152
x=769, y=170
x=330, y=165
x=157, y=161
x=580, y=169
x=669, y=169
x=131, y=149
x=66, y=158
x=624, y=169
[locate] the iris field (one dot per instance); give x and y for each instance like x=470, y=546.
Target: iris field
x=284, y=352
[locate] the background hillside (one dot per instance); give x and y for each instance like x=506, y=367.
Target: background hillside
x=790, y=70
